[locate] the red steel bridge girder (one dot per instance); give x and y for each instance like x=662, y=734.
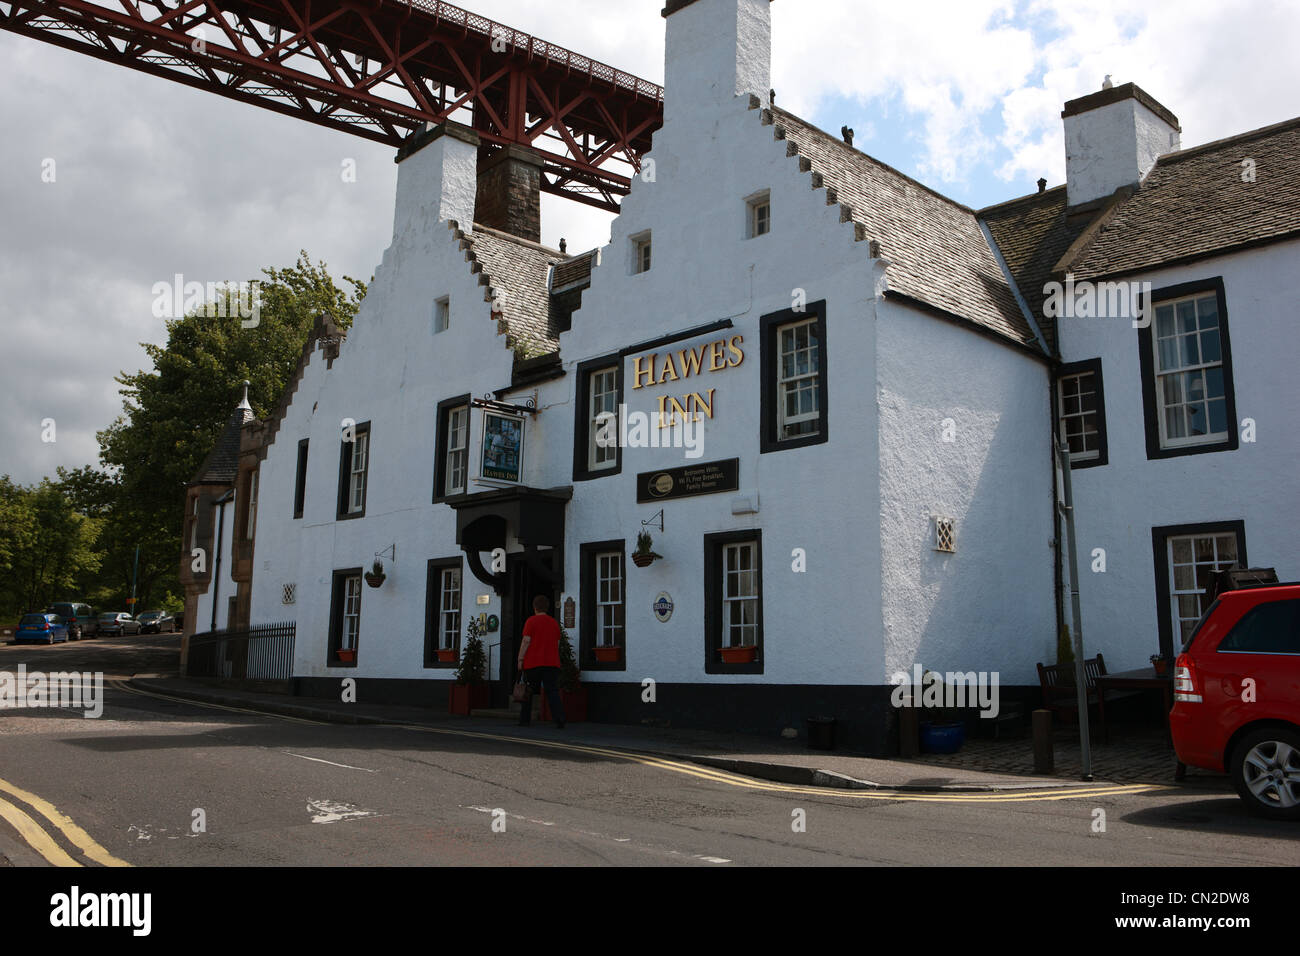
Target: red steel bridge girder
x=379, y=69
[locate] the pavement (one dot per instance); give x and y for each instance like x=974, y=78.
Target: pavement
x=1005, y=764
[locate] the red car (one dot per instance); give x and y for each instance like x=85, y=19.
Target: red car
x=1237, y=696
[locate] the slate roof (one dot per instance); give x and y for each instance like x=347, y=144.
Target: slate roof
x=1032, y=233
x=1194, y=203
x=576, y=272
x=221, y=467
x=515, y=271
x=938, y=252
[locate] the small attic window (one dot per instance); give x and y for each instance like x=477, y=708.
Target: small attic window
x=758, y=215
x=641, y=253
x=441, y=315
x=945, y=534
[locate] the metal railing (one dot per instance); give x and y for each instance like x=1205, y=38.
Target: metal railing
x=262, y=653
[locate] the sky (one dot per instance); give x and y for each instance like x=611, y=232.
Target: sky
x=154, y=179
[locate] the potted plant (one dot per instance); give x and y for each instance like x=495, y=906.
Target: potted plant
x=1161, y=664
x=739, y=654
x=943, y=731
x=346, y=655
x=470, y=692
x=375, y=576
x=446, y=655
x=608, y=653
x=643, y=556
x=572, y=693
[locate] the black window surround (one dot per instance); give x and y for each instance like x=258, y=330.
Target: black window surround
x=587, y=606
x=713, y=583
x=440, y=449
x=1076, y=368
x=1159, y=548
x=338, y=592
x=433, y=611
x=345, y=473
x=769, y=355
x=300, y=480
x=1146, y=359
x=581, y=421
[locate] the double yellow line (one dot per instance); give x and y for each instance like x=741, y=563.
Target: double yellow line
x=40, y=840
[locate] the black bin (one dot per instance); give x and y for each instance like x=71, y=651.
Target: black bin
x=821, y=733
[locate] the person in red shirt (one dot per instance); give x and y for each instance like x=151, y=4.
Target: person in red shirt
x=539, y=660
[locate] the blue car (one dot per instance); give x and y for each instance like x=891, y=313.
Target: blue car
x=40, y=629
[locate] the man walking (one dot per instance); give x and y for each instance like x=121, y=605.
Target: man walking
x=539, y=660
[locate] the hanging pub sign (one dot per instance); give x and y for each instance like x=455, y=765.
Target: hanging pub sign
x=503, y=446
x=708, y=478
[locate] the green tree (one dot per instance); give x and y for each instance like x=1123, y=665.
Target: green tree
x=46, y=546
x=173, y=414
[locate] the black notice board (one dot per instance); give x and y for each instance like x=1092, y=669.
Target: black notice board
x=706, y=478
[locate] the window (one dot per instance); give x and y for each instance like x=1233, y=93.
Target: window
x=441, y=315
x=759, y=215
x=733, y=588
x=1081, y=412
x=354, y=462
x=1186, y=558
x=300, y=482
x=599, y=394
x=252, y=505
x=604, y=605
x=793, y=358
x=345, y=617
x=451, y=466
x=1187, y=372
x=442, y=613
x=194, y=525
x=641, y=253
x=1272, y=628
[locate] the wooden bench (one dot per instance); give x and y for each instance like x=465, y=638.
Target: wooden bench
x=1058, y=683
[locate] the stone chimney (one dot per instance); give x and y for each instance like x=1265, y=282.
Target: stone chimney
x=1112, y=139
x=436, y=177
x=510, y=193
x=715, y=50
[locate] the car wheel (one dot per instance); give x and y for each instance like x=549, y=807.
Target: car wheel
x=1266, y=772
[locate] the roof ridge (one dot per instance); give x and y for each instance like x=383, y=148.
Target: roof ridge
x=1180, y=154
x=1027, y=199
x=477, y=227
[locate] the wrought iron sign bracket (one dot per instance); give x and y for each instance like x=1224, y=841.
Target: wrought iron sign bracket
x=492, y=405
x=660, y=516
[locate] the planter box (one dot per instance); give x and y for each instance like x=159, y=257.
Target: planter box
x=738, y=655
x=608, y=655
x=346, y=656
x=575, y=705
x=446, y=655
x=467, y=697
x=942, y=738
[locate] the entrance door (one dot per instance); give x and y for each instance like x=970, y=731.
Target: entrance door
x=516, y=608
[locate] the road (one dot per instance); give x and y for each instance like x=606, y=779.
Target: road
x=162, y=782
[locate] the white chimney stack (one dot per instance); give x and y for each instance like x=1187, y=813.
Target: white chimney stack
x=715, y=50
x=437, y=178
x=1112, y=139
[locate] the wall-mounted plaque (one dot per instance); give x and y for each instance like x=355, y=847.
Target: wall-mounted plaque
x=568, y=612
x=708, y=478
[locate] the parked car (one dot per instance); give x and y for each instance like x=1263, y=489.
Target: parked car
x=1237, y=696
x=117, y=623
x=155, y=622
x=41, y=629
x=80, y=618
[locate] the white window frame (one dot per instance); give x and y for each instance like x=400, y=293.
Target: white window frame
x=642, y=253
x=1064, y=416
x=252, y=504
x=357, y=472
x=441, y=315
x=449, y=609
x=455, y=452
x=785, y=384
x=1160, y=373
x=758, y=215
x=602, y=391
x=1193, y=588
x=350, y=628
x=733, y=596
x=611, y=619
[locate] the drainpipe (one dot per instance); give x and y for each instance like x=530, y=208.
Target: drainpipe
x=216, y=566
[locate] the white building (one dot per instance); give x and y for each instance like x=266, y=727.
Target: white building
x=870, y=381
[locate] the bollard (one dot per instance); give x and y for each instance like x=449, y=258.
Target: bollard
x=909, y=730
x=1044, y=760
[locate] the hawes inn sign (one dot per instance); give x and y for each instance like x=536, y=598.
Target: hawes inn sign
x=654, y=369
